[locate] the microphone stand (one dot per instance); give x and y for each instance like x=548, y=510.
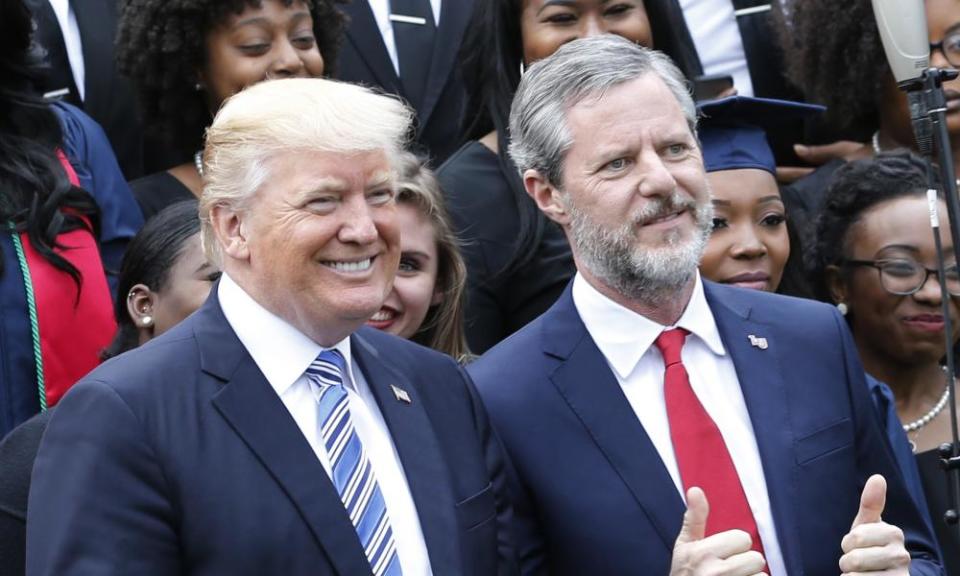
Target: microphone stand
x=928, y=113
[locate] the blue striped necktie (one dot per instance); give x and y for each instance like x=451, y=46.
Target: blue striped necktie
x=351, y=471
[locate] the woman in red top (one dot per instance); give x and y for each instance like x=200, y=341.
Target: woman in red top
x=55, y=305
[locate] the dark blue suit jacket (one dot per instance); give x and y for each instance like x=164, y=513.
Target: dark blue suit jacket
x=592, y=495
x=179, y=458
x=364, y=60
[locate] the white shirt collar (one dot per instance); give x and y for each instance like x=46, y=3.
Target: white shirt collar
x=623, y=336
x=282, y=352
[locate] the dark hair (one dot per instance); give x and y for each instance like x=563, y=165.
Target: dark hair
x=794, y=281
x=161, y=45
x=148, y=260
x=490, y=58
x=834, y=55
x=36, y=195
x=855, y=188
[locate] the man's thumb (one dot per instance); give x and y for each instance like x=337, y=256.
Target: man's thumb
x=695, y=518
x=872, y=501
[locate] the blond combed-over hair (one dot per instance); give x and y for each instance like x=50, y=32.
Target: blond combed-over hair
x=276, y=117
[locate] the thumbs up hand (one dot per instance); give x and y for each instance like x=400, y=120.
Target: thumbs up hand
x=872, y=545
x=724, y=554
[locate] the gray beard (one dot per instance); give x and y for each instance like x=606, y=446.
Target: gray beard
x=650, y=275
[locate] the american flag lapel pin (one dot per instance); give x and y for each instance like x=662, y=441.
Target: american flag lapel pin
x=401, y=394
x=758, y=342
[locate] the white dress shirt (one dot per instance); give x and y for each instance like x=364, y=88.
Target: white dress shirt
x=283, y=354
x=626, y=340
x=381, y=12
x=71, y=39
x=716, y=36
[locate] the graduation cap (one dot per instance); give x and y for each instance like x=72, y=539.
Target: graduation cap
x=733, y=130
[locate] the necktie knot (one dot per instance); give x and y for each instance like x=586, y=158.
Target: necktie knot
x=328, y=368
x=670, y=344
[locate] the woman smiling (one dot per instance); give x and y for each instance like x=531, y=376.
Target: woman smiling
x=187, y=57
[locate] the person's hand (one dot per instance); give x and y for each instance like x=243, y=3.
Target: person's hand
x=819, y=155
x=724, y=554
x=872, y=546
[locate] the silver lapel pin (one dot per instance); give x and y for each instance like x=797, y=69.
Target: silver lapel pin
x=408, y=19
x=401, y=394
x=760, y=343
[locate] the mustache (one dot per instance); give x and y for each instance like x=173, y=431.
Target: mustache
x=657, y=208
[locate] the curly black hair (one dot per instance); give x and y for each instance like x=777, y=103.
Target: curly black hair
x=160, y=46
x=835, y=56
x=855, y=188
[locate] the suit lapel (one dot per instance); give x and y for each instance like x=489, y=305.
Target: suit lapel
x=365, y=36
x=759, y=371
x=257, y=415
x=416, y=444
x=453, y=23
x=591, y=390
x=672, y=35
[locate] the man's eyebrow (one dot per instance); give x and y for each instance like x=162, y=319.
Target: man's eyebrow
x=379, y=179
x=323, y=184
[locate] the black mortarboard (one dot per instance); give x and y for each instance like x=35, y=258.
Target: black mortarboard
x=732, y=130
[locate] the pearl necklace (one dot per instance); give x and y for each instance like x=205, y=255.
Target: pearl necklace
x=198, y=161
x=929, y=416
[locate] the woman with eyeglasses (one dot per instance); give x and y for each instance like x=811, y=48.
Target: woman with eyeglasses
x=875, y=258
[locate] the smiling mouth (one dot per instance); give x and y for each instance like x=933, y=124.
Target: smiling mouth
x=925, y=322
x=349, y=267
x=664, y=218
x=384, y=318
x=384, y=315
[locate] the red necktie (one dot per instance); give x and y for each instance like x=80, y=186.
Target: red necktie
x=701, y=453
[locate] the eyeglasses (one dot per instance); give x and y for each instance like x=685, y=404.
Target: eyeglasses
x=905, y=277
x=950, y=47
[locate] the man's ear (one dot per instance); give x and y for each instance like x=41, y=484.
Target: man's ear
x=228, y=227
x=836, y=284
x=548, y=198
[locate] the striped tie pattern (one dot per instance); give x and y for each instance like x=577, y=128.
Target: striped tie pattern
x=352, y=473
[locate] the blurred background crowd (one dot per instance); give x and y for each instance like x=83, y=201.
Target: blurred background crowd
x=104, y=104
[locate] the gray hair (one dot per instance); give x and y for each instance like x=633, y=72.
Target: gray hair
x=585, y=68
x=279, y=116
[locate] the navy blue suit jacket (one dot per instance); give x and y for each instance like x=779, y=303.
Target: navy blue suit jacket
x=364, y=60
x=592, y=495
x=179, y=458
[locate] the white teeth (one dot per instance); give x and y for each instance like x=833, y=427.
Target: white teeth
x=382, y=315
x=360, y=266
